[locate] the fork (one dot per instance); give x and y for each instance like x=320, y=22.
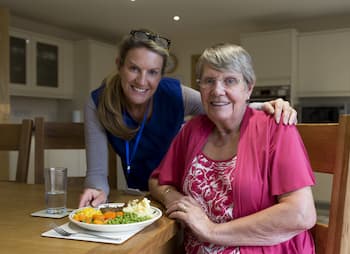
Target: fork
x=63, y=232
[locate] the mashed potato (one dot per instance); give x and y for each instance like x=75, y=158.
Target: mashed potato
x=141, y=208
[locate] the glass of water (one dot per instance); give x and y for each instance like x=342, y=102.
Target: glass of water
x=55, y=189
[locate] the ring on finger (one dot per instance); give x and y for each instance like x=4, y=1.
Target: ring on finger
x=183, y=207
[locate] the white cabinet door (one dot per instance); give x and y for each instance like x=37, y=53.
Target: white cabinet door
x=93, y=62
x=102, y=62
x=40, y=66
x=274, y=56
x=324, y=64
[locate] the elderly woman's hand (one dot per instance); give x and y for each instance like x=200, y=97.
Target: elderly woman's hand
x=279, y=106
x=188, y=211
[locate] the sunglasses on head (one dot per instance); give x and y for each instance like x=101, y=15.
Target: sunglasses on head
x=146, y=36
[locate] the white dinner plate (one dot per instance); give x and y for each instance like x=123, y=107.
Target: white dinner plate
x=157, y=213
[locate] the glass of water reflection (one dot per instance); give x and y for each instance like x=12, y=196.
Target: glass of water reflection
x=55, y=189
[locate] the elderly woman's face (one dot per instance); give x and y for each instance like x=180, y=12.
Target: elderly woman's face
x=224, y=94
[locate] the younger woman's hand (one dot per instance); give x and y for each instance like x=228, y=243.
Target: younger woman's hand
x=281, y=108
x=92, y=197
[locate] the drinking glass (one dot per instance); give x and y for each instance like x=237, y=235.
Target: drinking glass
x=55, y=189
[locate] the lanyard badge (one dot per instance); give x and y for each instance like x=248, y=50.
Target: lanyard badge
x=129, y=158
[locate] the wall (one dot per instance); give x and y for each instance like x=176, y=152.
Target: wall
x=309, y=24
x=26, y=107
x=4, y=80
x=93, y=61
x=188, y=45
x=4, y=63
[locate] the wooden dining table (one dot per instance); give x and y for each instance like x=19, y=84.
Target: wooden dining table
x=21, y=233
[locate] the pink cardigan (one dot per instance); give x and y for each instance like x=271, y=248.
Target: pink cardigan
x=271, y=160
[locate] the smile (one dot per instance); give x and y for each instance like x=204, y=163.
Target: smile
x=219, y=104
x=139, y=90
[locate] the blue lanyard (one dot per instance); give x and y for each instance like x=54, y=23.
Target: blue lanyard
x=138, y=137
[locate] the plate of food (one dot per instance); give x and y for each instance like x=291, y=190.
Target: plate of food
x=116, y=217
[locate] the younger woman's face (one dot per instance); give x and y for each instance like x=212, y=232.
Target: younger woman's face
x=140, y=75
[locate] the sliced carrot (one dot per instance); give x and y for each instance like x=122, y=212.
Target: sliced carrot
x=81, y=217
x=109, y=215
x=119, y=213
x=98, y=222
x=88, y=220
x=98, y=217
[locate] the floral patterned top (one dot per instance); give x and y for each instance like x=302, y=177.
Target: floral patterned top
x=271, y=161
x=211, y=182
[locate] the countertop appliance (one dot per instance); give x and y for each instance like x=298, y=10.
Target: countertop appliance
x=322, y=110
x=267, y=93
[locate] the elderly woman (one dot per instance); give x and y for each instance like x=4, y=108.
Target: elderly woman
x=239, y=181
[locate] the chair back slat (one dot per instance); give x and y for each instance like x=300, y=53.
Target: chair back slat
x=63, y=135
x=18, y=137
x=320, y=143
x=328, y=147
x=320, y=232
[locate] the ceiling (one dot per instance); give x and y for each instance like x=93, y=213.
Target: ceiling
x=110, y=19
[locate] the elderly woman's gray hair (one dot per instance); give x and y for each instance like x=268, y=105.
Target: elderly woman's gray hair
x=227, y=57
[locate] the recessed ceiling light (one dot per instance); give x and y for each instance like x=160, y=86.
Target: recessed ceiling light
x=176, y=18
x=132, y=0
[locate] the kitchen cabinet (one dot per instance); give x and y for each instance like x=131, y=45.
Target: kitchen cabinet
x=40, y=65
x=324, y=63
x=94, y=60
x=274, y=56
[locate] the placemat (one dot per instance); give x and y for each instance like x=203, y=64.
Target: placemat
x=70, y=227
x=43, y=213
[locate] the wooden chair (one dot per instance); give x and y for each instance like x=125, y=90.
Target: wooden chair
x=64, y=135
x=328, y=146
x=18, y=137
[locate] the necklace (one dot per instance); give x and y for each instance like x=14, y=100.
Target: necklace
x=129, y=158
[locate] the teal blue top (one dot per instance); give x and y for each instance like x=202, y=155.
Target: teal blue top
x=165, y=122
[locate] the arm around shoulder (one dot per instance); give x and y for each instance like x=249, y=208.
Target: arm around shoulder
x=192, y=101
